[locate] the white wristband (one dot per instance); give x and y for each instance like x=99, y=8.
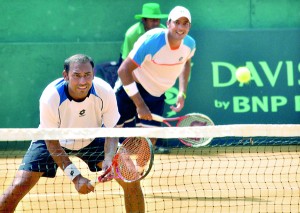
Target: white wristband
x=71, y=171
x=131, y=89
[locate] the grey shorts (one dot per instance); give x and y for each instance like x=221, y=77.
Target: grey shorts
x=38, y=158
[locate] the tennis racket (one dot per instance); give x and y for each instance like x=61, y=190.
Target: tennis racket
x=133, y=161
x=189, y=120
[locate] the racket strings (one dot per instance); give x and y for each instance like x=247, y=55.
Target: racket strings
x=135, y=158
x=194, y=120
x=126, y=168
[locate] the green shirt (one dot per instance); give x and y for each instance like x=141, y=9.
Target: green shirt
x=131, y=36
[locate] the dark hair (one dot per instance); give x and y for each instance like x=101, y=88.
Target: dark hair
x=78, y=58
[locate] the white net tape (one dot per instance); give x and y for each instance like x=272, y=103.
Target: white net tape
x=237, y=130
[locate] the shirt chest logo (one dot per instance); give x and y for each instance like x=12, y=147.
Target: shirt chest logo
x=82, y=113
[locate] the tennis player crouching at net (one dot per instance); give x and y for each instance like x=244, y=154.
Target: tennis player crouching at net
x=78, y=100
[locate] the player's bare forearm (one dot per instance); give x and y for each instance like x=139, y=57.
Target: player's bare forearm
x=126, y=75
x=61, y=158
x=58, y=153
x=183, y=84
x=141, y=108
x=110, y=146
x=184, y=77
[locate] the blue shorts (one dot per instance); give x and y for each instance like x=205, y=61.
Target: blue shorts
x=38, y=158
x=127, y=109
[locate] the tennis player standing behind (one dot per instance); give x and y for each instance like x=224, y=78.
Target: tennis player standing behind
x=157, y=59
x=78, y=100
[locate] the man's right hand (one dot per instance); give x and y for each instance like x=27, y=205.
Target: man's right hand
x=83, y=185
x=144, y=113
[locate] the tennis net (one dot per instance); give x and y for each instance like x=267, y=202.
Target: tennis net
x=245, y=168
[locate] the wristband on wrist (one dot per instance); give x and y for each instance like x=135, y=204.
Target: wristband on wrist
x=131, y=89
x=71, y=171
x=182, y=94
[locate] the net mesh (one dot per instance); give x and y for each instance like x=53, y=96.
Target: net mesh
x=245, y=168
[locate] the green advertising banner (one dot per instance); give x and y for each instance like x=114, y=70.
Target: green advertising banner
x=273, y=94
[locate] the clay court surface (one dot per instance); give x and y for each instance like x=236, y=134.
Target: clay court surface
x=237, y=179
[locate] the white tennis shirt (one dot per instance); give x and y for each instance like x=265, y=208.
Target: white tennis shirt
x=58, y=110
x=159, y=65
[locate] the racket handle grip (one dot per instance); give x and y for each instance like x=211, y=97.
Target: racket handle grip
x=157, y=118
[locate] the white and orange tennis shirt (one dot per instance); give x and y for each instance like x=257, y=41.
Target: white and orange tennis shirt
x=59, y=110
x=159, y=65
